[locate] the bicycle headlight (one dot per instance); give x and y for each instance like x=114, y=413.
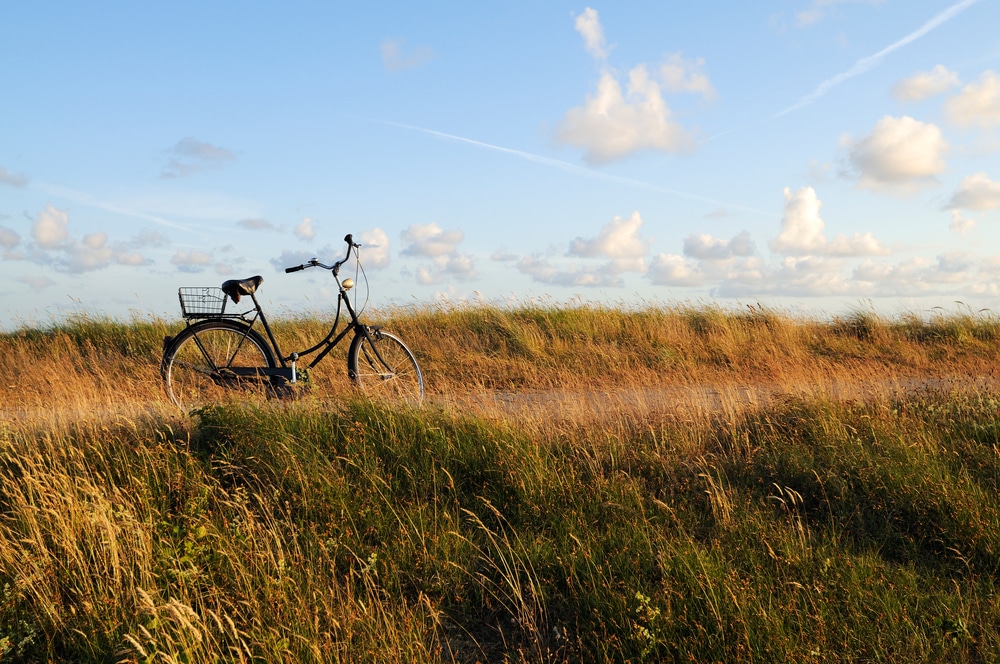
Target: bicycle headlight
x=348, y=283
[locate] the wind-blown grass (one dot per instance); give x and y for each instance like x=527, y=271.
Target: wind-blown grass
x=805, y=529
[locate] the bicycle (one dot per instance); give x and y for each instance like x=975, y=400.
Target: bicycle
x=220, y=352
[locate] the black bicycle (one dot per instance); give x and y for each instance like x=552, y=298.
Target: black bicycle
x=220, y=352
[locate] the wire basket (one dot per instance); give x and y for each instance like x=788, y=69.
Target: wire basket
x=202, y=302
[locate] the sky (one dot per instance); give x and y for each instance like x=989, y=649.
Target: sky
x=818, y=156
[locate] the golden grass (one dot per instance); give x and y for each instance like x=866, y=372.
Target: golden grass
x=285, y=532
x=580, y=362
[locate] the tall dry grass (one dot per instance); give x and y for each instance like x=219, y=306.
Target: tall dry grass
x=585, y=485
x=706, y=352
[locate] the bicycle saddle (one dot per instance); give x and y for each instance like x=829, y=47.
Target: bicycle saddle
x=235, y=288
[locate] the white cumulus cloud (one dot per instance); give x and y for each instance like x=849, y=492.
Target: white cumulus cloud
x=978, y=104
x=673, y=270
x=430, y=240
x=588, y=24
x=305, y=229
x=375, y=247
x=803, y=231
x=542, y=271
x=926, y=84
x=612, y=124
x=706, y=247
x=441, y=246
x=50, y=228
x=899, y=153
x=976, y=192
x=191, y=261
x=620, y=119
x=801, y=226
x=619, y=239
x=681, y=75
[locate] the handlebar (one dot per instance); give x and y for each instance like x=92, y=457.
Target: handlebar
x=314, y=262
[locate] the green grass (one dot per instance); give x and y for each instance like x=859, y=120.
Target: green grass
x=318, y=531
x=809, y=532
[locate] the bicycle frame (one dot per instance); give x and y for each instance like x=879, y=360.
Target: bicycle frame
x=288, y=370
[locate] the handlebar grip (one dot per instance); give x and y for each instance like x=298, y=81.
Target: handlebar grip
x=349, y=239
x=294, y=269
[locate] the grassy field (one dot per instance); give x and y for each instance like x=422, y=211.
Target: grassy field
x=583, y=484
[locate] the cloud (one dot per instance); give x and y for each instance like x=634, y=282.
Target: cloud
x=619, y=239
x=375, y=246
x=900, y=153
x=9, y=238
x=429, y=240
x=191, y=156
x=680, y=75
x=976, y=192
x=150, y=238
x=54, y=245
x=16, y=180
x=706, y=247
x=611, y=125
x=949, y=273
x=672, y=270
x=50, y=228
x=865, y=64
x=589, y=26
x=441, y=246
x=305, y=229
x=802, y=231
x=801, y=226
x=926, y=84
x=542, y=271
x=194, y=260
x=978, y=104
x=394, y=58
x=92, y=253
x=458, y=266
x=960, y=224
x=257, y=225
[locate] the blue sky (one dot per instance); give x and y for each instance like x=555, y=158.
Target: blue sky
x=816, y=155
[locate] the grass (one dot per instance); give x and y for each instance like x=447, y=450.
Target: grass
x=854, y=524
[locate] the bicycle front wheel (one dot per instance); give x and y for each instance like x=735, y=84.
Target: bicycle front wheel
x=210, y=361
x=383, y=367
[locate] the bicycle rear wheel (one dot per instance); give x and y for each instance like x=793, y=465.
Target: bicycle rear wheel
x=384, y=368
x=211, y=360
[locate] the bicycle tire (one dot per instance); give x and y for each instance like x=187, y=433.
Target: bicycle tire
x=196, y=364
x=383, y=367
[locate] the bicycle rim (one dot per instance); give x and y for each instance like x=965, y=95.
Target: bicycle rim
x=203, y=366
x=385, y=369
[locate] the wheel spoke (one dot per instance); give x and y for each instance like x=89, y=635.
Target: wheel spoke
x=200, y=369
x=385, y=368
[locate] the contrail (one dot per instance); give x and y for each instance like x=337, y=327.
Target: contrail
x=93, y=202
x=573, y=168
x=864, y=64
